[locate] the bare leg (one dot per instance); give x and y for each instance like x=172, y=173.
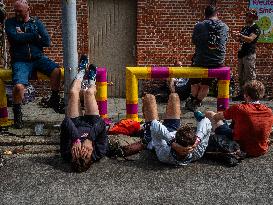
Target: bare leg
x=173, y=110
x=202, y=92
x=73, y=109
x=194, y=90
x=209, y=115
x=90, y=103
x=55, y=79
x=171, y=85
x=18, y=93
x=149, y=108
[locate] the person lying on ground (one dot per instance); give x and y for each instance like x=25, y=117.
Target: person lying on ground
x=172, y=143
x=83, y=138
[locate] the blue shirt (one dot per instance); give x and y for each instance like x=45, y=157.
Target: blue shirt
x=28, y=45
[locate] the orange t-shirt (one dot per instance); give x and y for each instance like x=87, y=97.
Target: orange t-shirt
x=252, y=126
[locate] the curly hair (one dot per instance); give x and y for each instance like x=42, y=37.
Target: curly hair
x=254, y=89
x=185, y=136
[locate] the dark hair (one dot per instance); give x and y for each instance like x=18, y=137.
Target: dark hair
x=185, y=136
x=252, y=13
x=80, y=165
x=254, y=89
x=210, y=11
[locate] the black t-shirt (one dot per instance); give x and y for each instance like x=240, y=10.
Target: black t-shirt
x=249, y=48
x=85, y=127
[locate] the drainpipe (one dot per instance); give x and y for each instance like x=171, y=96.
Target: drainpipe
x=69, y=39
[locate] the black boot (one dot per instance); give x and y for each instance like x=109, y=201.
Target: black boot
x=18, y=116
x=55, y=102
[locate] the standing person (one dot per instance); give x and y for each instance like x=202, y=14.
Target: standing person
x=248, y=38
x=83, y=138
x=27, y=36
x=173, y=144
x=210, y=38
x=181, y=86
x=252, y=121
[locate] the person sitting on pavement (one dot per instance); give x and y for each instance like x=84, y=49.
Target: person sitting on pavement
x=181, y=86
x=27, y=36
x=83, y=138
x=252, y=121
x=162, y=136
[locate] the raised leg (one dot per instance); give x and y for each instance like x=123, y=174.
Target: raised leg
x=90, y=103
x=173, y=110
x=73, y=108
x=149, y=108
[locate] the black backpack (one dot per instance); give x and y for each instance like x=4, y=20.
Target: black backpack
x=214, y=29
x=223, y=149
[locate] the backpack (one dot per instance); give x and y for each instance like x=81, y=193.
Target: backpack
x=224, y=149
x=125, y=127
x=214, y=30
x=124, y=145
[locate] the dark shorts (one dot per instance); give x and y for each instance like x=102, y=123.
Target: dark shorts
x=22, y=71
x=224, y=130
x=170, y=124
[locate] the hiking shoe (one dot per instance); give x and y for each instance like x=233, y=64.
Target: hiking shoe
x=92, y=73
x=190, y=105
x=89, y=77
x=83, y=63
x=18, y=118
x=56, y=104
x=199, y=116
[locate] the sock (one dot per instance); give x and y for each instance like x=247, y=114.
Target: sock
x=17, y=106
x=80, y=75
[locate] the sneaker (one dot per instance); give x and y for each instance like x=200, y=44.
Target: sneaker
x=190, y=105
x=90, y=77
x=199, y=116
x=56, y=104
x=92, y=73
x=83, y=62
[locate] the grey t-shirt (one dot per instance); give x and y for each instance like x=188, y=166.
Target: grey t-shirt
x=210, y=38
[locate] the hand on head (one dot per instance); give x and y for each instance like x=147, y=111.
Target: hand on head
x=183, y=151
x=83, y=150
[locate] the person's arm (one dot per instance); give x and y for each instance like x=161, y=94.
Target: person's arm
x=218, y=116
x=158, y=130
x=19, y=37
x=247, y=39
x=195, y=34
x=44, y=39
x=182, y=151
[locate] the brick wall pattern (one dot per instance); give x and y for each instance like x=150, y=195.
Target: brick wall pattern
x=164, y=29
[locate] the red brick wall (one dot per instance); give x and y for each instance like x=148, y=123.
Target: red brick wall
x=164, y=30
x=50, y=12
x=165, y=27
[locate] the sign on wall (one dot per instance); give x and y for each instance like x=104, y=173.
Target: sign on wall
x=265, y=12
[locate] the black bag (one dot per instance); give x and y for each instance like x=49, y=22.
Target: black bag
x=225, y=150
